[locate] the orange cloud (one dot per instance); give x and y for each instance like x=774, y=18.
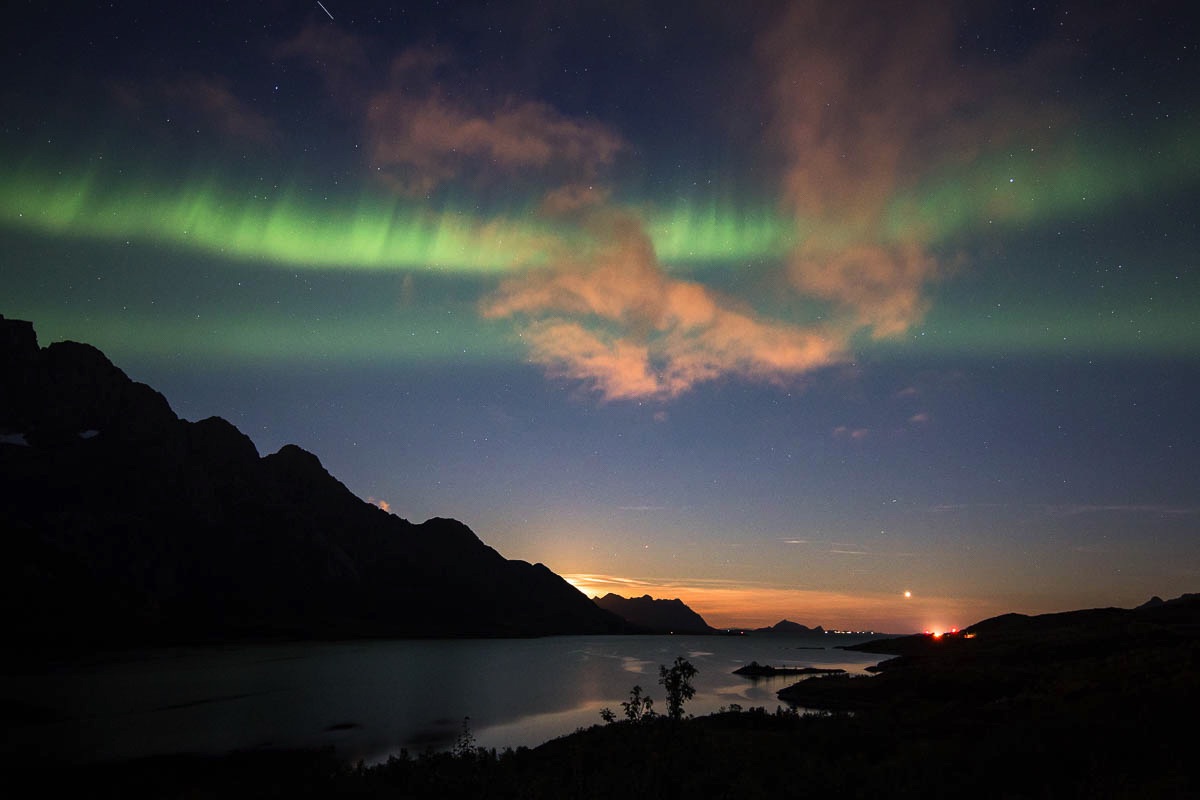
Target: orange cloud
x=881, y=285
x=862, y=99
x=425, y=128
x=605, y=313
x=421, y=135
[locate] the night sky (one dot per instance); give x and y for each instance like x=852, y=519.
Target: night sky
x=781, y=308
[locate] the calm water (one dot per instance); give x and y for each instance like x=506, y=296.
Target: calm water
x=370, y=699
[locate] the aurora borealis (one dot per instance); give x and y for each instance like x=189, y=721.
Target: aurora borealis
x=783, y=311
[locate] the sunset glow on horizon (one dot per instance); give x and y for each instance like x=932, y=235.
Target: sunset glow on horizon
x=730, y=606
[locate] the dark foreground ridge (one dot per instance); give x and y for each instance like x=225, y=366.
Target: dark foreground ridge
x=124, y=524
x=1014, y=654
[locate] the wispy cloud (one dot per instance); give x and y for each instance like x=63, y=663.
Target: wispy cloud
x=422, y=135
x=1079, y=509
x=204, y=97
x=427, y=125
x=866, y=103
x=1070, y=510
x=966, y=506
x=338, y=58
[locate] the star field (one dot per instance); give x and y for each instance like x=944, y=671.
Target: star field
x=786, y=311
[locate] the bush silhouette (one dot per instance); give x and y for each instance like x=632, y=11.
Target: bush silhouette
x=678, y=682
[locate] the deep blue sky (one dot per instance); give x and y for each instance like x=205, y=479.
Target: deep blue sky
x=783, y=312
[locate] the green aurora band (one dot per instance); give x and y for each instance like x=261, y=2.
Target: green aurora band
x=367, y=339
x=1032, y=185
x=373, y=233
x=294, y=229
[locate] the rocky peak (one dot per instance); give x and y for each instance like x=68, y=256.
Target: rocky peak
x=54, y=394
x=18, y=341
x=665, y=616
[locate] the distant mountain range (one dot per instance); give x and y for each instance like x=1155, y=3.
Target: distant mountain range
x=125, y=524
x=650, y=615
x=787, y=626
x=655, y=616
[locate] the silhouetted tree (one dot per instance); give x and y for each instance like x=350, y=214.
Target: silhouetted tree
x=678, y=682
x=637, y=707
x=464, y=745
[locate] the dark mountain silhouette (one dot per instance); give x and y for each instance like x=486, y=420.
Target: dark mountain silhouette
x=787, y=626
x=1001, y=662
x=657, y=616
x=123, y=523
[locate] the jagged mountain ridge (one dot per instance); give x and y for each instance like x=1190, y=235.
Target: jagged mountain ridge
x=658, y=616
x=124, y=523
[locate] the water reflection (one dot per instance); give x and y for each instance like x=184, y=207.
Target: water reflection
x=370, y=699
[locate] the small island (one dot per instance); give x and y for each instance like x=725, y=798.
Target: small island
x=757, y=670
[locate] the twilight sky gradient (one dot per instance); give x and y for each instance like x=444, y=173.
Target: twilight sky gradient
x=782, y=310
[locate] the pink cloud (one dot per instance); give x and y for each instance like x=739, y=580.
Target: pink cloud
x=421, y=134
x=605, y=313
x=425, y=127
x=881, y=286
x=866, y=101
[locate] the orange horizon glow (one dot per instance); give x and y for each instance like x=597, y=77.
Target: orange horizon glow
x=727, y=605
